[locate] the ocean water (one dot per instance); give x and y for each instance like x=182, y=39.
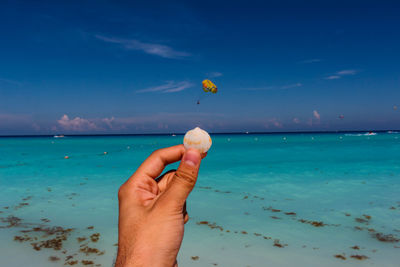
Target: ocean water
x=264, y=200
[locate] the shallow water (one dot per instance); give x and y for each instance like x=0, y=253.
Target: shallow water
x=247, y=184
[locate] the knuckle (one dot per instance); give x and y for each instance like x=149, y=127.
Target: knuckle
x=186, y=176
x=156, y=153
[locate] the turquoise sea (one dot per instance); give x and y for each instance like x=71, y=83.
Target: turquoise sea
x=315, y=199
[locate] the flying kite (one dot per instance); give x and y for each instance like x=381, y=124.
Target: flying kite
x=341, y=116
x=209, y=86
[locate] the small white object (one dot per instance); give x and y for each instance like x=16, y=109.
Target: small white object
x=198, y=139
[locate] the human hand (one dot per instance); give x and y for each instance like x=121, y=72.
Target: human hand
x=151, y=222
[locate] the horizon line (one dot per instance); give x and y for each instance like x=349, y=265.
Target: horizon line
x=211, y=133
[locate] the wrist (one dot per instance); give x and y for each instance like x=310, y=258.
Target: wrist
x=145, y=257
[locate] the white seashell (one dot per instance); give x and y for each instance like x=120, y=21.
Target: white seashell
x=198, y=139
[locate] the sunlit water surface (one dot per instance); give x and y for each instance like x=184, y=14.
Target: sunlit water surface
x=263, y=200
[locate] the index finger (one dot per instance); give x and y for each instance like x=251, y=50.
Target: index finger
x=159, y=159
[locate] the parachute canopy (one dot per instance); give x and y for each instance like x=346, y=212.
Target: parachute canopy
x=209, y=86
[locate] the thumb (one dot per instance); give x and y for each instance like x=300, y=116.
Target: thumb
x=184, y=178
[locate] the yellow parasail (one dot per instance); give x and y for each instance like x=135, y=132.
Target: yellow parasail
x=209, y=86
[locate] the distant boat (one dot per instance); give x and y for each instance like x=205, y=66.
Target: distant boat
x=370, y=133
x=59, y=136
x=173, y=135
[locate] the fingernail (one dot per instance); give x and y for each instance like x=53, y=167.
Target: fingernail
x=191, y=157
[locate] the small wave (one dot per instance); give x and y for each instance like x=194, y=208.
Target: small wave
x=362, y=134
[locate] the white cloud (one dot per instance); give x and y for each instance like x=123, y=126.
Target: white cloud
x=149, y=48
x=169, y=87
x=333, y=77
x=76, y=124
x=340, y=74
x=316, y=115
x=347, y=72
x=128, y=124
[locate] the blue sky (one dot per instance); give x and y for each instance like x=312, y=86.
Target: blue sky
x=118, y=67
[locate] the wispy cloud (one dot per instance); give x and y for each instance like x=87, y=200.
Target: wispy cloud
x=148, y=48
x=308, y=61
x=292, y=85
x=169, y=87
x=347, y=72
x=340, y=74
x=10, y=82
x=214, y=74
x=332, y=77
x=267, y=88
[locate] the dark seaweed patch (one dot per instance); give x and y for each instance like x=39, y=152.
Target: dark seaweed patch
x=278, y=244
x=339, y=256
x=361, y=220
x=368, y=217
x=313, y=223
x=88, y=250
x=359, y=257
x=210, y=225
x=95, y=237
x=54, y=258
x=386, y=238
x=81, y=239
x=22, y=238
x=87, y=262
x=12, y=221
